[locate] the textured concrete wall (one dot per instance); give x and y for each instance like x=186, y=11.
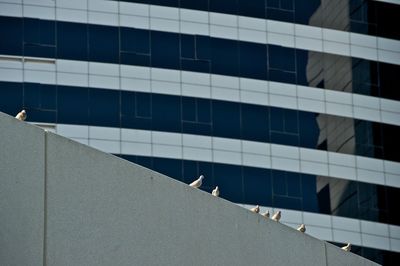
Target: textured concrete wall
x=92, y=208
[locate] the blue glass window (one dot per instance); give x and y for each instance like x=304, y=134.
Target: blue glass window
x=187, y=46
x=253, y=60
x=281, y=58
x=169, y=167
x=72, y=41
x=224, y=57
x=135, y=40
x=226, y=119
x=257, y=186
x=279, y=182
x=11, y=36
x=11, y=100
x=143, y=104
x=293, y=184
x=253, y=8
x=224, y=6
x=198, y=4
x=103, y=44
x=166, y=111
x=104, y=107
x=165, y=50
x=73, y=103
x=229, y=180
x=255, y=124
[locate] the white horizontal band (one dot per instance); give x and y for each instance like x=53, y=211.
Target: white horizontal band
x=201, y=85
x=234, y=152
x=179, y=20
x=396, y=2
x=340, y=229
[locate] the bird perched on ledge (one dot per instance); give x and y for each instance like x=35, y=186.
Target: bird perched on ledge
x=21, y=115
x=277, y=216
x=266, y=214
x=347, y=247
x=302, y=228
x=215, y=191
x=197, y=183
x=255, y=209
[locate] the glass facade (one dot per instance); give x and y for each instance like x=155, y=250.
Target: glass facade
x=199, y=83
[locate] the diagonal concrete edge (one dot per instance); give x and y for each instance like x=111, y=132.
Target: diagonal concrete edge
x=103, y=210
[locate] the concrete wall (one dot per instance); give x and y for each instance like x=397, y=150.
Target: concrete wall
x=63, y=203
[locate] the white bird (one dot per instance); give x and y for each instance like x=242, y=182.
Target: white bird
x=347, y=247
x=302, y=228
x=21, y=115
x=215, y=191
x=197, y=183
x=266, y=214
x=276, y=216
x=255, y=209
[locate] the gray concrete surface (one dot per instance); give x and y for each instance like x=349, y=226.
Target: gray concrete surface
x=103, y=210
x=21, y=192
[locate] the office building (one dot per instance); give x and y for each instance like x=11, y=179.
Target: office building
x=288, y=104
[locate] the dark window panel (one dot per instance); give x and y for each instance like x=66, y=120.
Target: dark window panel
x=203, y=110
x=291, y=121
x=196, y=128
x=39, y=50
x=203, y=47
x=11, y=35
x=167, y=112
x=135, y=40
x=388, y=75
x=11, y=100
x=282, y=76
x=284, y=138
x=254, y=8
x=143, y=105
x=273, y=3
x=104, y=107
x=187, y=46
x=304, y=12
x=128, y=104
x=287, y=4
x=257, y=186
x=277, y=119
x=309, y=189
x=253, y=60
x=287, y=202
x=226, y=119
x=281, y=58
x=196, y=65
x=40, y=96
x=279, y=182
x=224, y=6
x=168, y=167
x=134, y=59
x=103, y=44
x=72, y=41
x=224, y=57
x=188, y=109
x=197, y=5
x=38, y=31
x=280, y=14
x=145, y=161
x=255, y=124
x=190, y=171
x=165, y=50
x=77, y=98
x=308, y=130
x=229, y=180
x=293, y=184
x=206, y=169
